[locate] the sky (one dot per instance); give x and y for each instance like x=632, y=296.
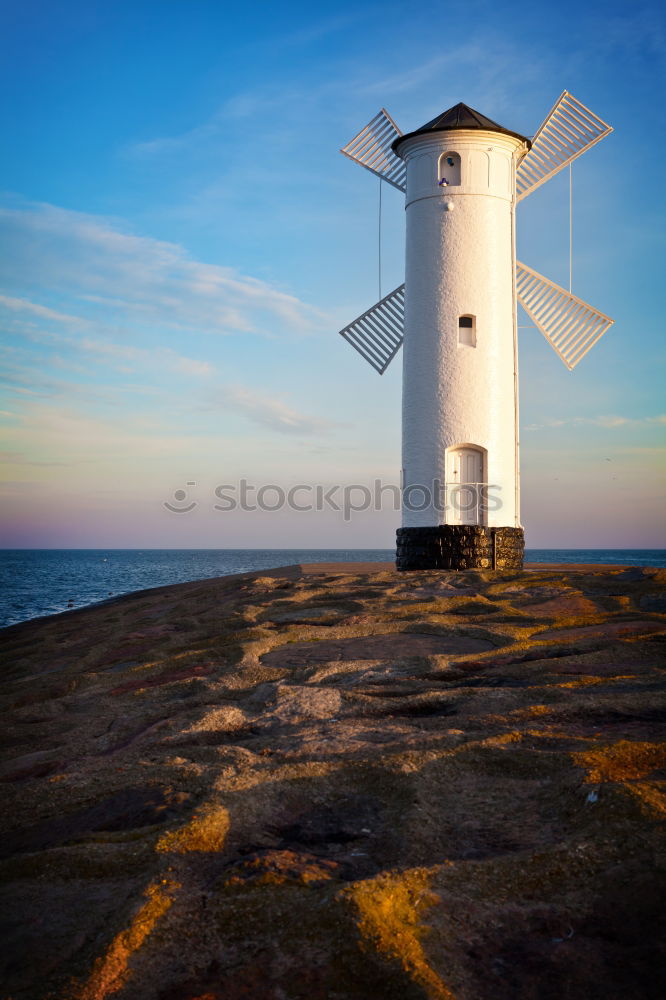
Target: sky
x=181, y=242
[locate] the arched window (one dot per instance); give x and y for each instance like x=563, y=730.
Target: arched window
x=449, y=170
x=467, y=331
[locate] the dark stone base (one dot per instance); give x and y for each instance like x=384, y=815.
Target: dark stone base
x=460, y=546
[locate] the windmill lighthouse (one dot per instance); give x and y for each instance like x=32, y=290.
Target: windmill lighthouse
x=463, y=175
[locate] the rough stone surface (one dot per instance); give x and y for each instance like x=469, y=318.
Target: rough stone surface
x=459, y=546
x=339, y=786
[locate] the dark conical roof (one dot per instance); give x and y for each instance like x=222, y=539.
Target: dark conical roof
x=460, y=116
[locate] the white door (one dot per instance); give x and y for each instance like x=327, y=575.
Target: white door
x=464, y=480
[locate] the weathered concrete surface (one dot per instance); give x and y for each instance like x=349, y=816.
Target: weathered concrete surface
x=321, y=784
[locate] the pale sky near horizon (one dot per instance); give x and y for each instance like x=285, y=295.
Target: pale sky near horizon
x=182, y=241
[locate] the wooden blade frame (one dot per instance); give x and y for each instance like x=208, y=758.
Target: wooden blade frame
x=571, y=326
x=569, y=130
x=377, y=335
x=372, y=149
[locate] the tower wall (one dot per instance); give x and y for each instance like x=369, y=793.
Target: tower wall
x=460, y=260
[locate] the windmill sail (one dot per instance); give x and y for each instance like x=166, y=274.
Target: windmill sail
x=570, y=325
x=372, y=149
x=377, y=335
x=569, y=130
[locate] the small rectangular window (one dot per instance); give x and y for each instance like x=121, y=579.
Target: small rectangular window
x=467, y=331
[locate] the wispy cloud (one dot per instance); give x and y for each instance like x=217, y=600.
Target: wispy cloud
x=110, y=351
x=269, y=411
x=488, y=65
x=76, y=436
x=18, y=458
x=638, y=32
x=319, y=29
x=23, y=305
x=150, y=281
x=278, y=106
x=609, y=422
x=171, y=359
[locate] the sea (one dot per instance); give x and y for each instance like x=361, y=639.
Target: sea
x=37, y=582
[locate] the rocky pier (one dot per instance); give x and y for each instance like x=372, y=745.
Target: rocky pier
x=339, y=782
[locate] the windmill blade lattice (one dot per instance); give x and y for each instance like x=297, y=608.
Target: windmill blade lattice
x=570, y=325
x=372, y=149
x=377, y=335
x=569, y=130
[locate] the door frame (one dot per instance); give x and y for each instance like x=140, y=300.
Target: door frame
x=453, y=514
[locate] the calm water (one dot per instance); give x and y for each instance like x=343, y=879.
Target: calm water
x=36, y=582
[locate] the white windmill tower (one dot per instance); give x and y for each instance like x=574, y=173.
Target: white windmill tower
x=463, y=175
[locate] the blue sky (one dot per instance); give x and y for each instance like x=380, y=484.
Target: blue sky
x=182, y=240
